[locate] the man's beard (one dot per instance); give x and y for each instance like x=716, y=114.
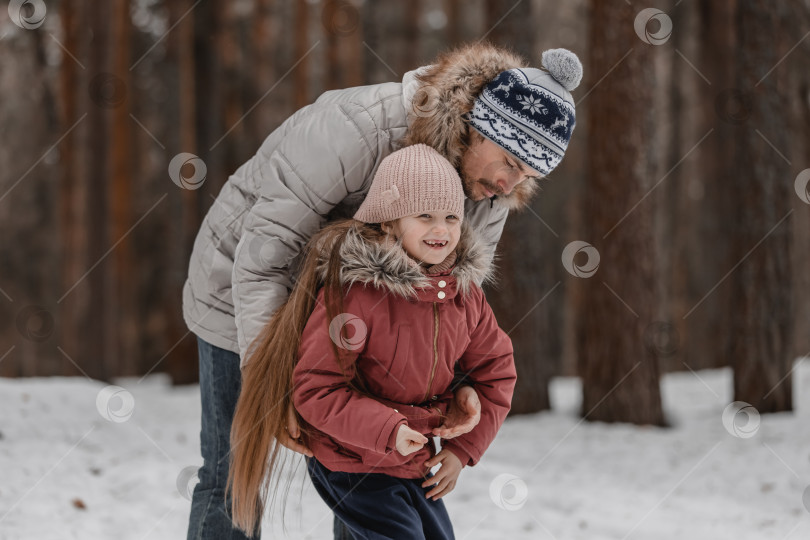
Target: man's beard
x=469, y=185
x=466, y=184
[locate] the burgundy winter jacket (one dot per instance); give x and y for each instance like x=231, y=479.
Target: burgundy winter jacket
x=409, y=329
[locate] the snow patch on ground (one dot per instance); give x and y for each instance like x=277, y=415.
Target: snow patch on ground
x=67, y=472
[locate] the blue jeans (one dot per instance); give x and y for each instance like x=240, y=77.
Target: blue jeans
x=376, y=506
x=220, y=382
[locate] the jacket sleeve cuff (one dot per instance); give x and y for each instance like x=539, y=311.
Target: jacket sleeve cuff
x=392, y=440
x=389, y=433
x=460, y=453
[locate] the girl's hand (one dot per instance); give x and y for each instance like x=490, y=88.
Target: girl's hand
x=445, y=480
x=290, y=438
x=409, y=441
x=463, y=414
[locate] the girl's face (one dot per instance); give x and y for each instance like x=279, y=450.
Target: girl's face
x=428, y=237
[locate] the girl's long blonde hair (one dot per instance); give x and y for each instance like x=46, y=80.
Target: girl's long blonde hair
x=261, y=411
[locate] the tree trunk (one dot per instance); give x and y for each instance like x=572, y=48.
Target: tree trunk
x=302, y=45
x=704, y=208
x=760, y=341
x=121, y=324
x=799, y=115
x=331, y=23
x=71, y=190
x=97, y=353
x=178, y=350
x=619, y=373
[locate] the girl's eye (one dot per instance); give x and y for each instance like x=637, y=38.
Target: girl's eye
x=425, y=216
x=452, y=217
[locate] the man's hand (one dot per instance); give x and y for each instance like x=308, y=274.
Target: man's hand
x=463, y=414
x=445, y=480
x=290, y=438
x=409, y=441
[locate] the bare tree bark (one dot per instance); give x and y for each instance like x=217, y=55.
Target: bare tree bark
x=302, y=45
x=353, y=49
x=121, y=322
x=453, y=9
x=760, y=341
x=178, y=349
x=413, y=10
x=703, y=209
x=619, y=373
x=70, y=190
x=331, y=21
x=99, y=349
x=264, y=41
x=798, y=91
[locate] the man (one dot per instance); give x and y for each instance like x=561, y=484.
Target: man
x=317, y=166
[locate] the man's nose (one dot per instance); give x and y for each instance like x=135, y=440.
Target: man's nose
x=504, y=187
x=507, y=183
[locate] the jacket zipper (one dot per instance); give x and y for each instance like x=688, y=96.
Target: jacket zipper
x=432, y=375
x=435, y=349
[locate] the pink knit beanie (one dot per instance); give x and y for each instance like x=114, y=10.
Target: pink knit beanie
x=413, y=180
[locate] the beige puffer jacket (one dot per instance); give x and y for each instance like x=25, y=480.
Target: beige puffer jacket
x=316, y=166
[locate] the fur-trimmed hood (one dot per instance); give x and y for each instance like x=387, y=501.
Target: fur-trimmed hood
x=369, y=257
x=442, y=94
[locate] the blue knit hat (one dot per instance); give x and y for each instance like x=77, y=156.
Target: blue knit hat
x=530, y=112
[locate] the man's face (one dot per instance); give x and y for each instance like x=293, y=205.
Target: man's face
x=488, y=170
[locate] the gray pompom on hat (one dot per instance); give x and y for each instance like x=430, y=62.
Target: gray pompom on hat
x=530, y=112
x=564, y=66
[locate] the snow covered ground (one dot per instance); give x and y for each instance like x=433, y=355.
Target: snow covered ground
x=66, y=471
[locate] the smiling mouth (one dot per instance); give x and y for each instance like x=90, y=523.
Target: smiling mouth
x=435, y=244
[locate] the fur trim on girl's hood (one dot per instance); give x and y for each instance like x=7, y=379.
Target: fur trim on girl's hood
x=446, y=92
x=369, y=257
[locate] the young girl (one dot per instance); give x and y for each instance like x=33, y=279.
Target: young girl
x=387, y=306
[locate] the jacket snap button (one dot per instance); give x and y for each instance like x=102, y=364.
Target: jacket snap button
x=442, y=283
x=441, y=294
x=396, y=410
x=434, y=398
